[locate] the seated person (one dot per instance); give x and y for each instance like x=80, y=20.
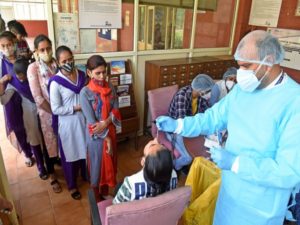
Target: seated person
x=188, y=101
x=222, y=87
x=156, y=177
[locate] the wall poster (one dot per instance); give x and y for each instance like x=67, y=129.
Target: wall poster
x=290, y=40
x=66, y=30
x=265, y=13
x=100, y=14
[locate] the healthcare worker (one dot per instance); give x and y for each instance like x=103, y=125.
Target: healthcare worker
x=224, y=86
x=260, y=161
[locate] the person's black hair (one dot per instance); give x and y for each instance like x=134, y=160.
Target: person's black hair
x=157, y=171
x=21, y=66
x=39, y=39
x=19, y=28
x=10, y=24
x=61, y=49
x=8, y=35
x=95, y=61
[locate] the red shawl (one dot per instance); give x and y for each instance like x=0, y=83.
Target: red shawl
x=109, y=163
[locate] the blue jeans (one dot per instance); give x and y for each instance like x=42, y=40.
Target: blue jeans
x=185, y=158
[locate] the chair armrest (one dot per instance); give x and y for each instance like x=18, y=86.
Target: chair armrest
x=94, y=208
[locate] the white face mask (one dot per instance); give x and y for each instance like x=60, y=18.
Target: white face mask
x=206, y=96
x=247, y=78
x=8, y=51
x=229, y=84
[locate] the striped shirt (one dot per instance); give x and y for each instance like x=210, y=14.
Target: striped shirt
x=135, y=187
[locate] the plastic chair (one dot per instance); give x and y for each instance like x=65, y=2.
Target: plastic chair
x=165, y=209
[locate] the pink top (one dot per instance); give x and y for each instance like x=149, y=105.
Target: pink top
x=38, y=74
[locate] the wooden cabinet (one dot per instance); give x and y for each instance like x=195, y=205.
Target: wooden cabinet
x=162, y=73
x=129, y=115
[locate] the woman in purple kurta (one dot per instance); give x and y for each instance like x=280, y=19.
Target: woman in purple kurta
x=18, y=83
x=13, y=109
x=64, y=100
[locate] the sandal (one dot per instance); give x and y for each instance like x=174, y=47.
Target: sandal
x=29, y=162
x=76, y=195
x=56, y=186
x=43, y=176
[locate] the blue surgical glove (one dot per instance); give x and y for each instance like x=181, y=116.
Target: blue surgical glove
x=166, y=123
x=223, y=158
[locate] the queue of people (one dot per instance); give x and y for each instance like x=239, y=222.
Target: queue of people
x=50, y=97
x=42, y=103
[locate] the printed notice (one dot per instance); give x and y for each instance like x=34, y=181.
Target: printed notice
x=265, y=13
x=290, y=40
x=66, y=30
x=100, y=14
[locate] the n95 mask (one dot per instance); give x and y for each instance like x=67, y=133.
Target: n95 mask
x=206, y=96
x=247, y=80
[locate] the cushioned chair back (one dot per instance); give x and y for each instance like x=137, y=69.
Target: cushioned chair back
x=159, y=101
x=165, y=209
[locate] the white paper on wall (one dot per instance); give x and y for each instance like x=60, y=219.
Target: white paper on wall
x=265, y=13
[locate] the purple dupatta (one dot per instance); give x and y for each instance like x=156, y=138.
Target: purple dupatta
x=75, y=88
x=22, y=87
x=13, y=112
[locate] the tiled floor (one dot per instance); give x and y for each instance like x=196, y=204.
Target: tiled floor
x=37, y=204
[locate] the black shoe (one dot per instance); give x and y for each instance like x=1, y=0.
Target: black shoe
x=44, y=175
x=76, y=195
x=57, y=161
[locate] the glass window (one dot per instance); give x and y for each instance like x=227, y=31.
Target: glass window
x=164, y=27
x=23, y=10
x=92, y=40
x=213, y=28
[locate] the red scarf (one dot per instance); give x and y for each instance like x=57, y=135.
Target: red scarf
x=109, y=164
